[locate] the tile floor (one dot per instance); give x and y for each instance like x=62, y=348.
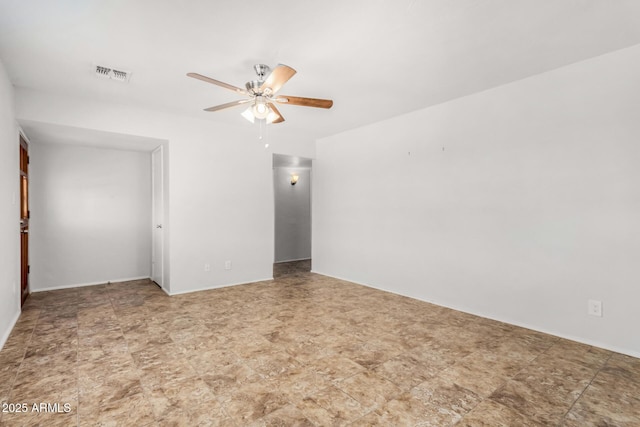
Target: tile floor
x=281, y=269
x=301, y=350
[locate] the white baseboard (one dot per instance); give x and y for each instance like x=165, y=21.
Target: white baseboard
x=627, y=351
x=12, y=324
x=292, y=260
x=81, y=285
x=208, y=288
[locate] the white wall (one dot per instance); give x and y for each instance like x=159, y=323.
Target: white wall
x=90, y=215
x=9, y=210
x=292, y=214
x=219, y=195
x=519, y=203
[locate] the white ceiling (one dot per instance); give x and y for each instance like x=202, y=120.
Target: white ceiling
x=376, y=58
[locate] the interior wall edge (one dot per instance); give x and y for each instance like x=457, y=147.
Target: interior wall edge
x=12, y=325
x=10, y=277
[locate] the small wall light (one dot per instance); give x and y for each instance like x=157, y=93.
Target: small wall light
x=294, y=178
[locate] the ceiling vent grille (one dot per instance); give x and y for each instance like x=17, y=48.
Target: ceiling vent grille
x=112, y=74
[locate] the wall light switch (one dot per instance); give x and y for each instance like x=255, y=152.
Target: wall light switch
x=595, y=308
x=207, y=267
x=227, y=265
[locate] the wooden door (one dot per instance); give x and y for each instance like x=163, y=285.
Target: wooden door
x=24, y=219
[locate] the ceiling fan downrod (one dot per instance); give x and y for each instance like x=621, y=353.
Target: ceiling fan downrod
x=261, y=70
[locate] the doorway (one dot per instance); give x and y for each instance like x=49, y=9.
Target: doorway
x=24, y=220
x=292, y=202
x=157, y=206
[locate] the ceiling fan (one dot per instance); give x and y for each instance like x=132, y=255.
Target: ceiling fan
x=262, y=94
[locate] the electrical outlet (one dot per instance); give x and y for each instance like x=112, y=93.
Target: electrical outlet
x=207, y=267
x=227, y=265
x=595, y=308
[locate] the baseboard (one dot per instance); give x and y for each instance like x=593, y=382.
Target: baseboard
x=292, y=260
x=12, y=324
x=581, y=340
x=226, y=285
x=81, y=285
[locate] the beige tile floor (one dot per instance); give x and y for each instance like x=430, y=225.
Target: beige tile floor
x=281, y=269
x=301, y=350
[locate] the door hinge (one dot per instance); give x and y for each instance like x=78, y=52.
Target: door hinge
x=28, y=269
x=28, y=159
x=29, y=214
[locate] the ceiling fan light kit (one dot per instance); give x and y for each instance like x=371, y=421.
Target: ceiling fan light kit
x=261, y=94
x=260, y=109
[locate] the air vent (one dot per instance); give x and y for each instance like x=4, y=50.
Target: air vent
x=121, y=76
x=103, y=72
x=112, y=74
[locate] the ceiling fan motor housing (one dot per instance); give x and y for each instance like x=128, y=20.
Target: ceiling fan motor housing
x=253, y=87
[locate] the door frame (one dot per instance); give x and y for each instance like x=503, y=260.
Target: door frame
x=25, y=214
x=157, y=218
x=292, y=163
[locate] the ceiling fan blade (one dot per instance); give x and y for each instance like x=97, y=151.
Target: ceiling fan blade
x=217, y=83
x=278, y=77
x=228, y=105
x=306, y=102
x=280, y=118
